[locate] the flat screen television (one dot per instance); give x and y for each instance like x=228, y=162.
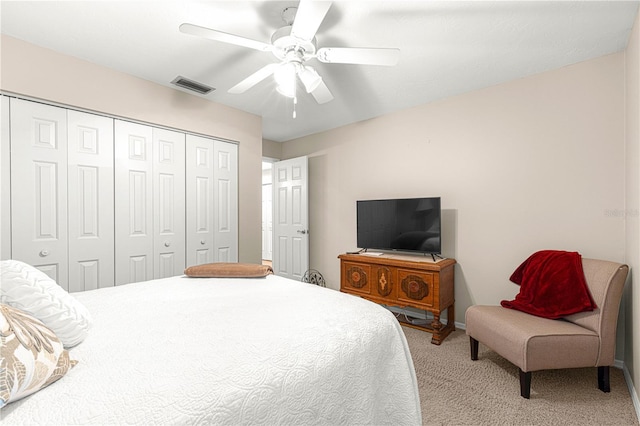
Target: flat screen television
x=408, y=224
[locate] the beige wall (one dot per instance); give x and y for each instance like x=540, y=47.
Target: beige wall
x=537, y=163
x=41, y=73
x=631, y=300
x=271, y=149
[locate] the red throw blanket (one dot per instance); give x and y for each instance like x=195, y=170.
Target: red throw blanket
x=552, y=285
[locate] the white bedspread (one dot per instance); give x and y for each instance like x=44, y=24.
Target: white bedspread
x=231, y=351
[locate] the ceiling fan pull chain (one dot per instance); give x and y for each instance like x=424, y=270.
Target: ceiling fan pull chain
x=295, y=102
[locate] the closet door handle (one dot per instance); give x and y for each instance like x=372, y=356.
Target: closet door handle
x=44, y=253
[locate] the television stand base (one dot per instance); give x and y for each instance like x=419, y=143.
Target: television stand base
x=434, y=255
x=357, y=251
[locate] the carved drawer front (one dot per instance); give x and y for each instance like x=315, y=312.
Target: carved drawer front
x=415, y=288
x=357, y=277
x=384, y=284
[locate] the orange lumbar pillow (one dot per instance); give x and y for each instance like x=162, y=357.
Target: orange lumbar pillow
x=228, y=270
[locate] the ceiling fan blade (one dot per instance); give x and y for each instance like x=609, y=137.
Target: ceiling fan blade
x=356, y=55
x=308, y=18
x=254, y=79
x=224, y=37
x=322, y=94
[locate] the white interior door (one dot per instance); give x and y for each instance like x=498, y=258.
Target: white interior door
x=133, y=202
x=199, y=190
x=39, y=187
x=267, y=222
x=168, y=203
x=290, y=218
x=90, y=195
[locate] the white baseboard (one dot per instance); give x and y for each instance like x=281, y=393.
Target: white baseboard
x=632, y=389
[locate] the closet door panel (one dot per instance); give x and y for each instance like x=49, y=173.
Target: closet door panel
x=39, y=187
x=91, y=201
x=199, y=191
x=225, y=196
x=133, y=202
x=169, y=203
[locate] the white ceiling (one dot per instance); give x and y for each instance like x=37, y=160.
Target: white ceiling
x=447, y=47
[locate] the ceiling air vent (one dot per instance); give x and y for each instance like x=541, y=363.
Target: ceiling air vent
x=194, y=86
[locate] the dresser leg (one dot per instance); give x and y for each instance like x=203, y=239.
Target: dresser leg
x=440, y=331
x=436, y=324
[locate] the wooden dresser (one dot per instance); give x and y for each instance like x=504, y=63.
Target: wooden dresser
x=404, y=280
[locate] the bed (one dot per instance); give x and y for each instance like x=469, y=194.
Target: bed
x=230, y=351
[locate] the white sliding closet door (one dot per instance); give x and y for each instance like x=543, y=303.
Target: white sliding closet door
x=168, y=203
x=225, y=195
x=133, y=202
x=96, y=202
x=212, y=201
x=90, y=196
x=62, y=193
x=39, y=187
x=199, y=192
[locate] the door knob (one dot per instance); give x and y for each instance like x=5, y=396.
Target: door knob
x=167, y=243
x=44, y=253
x=202, y=242
x=302, y=231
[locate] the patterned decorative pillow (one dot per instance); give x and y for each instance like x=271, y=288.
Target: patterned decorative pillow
x=31, y=356
x=228, y=270
x=31, y=290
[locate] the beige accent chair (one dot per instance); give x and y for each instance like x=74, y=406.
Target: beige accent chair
x=532, y=343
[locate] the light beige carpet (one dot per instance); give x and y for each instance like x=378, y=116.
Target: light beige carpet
x=457, y=391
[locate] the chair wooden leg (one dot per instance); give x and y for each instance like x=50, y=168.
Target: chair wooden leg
x=603, y=379
x=474, y=348
x=525, y=384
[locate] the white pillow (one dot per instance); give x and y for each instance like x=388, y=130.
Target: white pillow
x=31, y=290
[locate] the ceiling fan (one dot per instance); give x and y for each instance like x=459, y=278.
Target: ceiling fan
x=293, y=45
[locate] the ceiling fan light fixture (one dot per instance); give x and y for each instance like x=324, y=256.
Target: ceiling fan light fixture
x=285, y=77
x=310, y=78
x=288, y=91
